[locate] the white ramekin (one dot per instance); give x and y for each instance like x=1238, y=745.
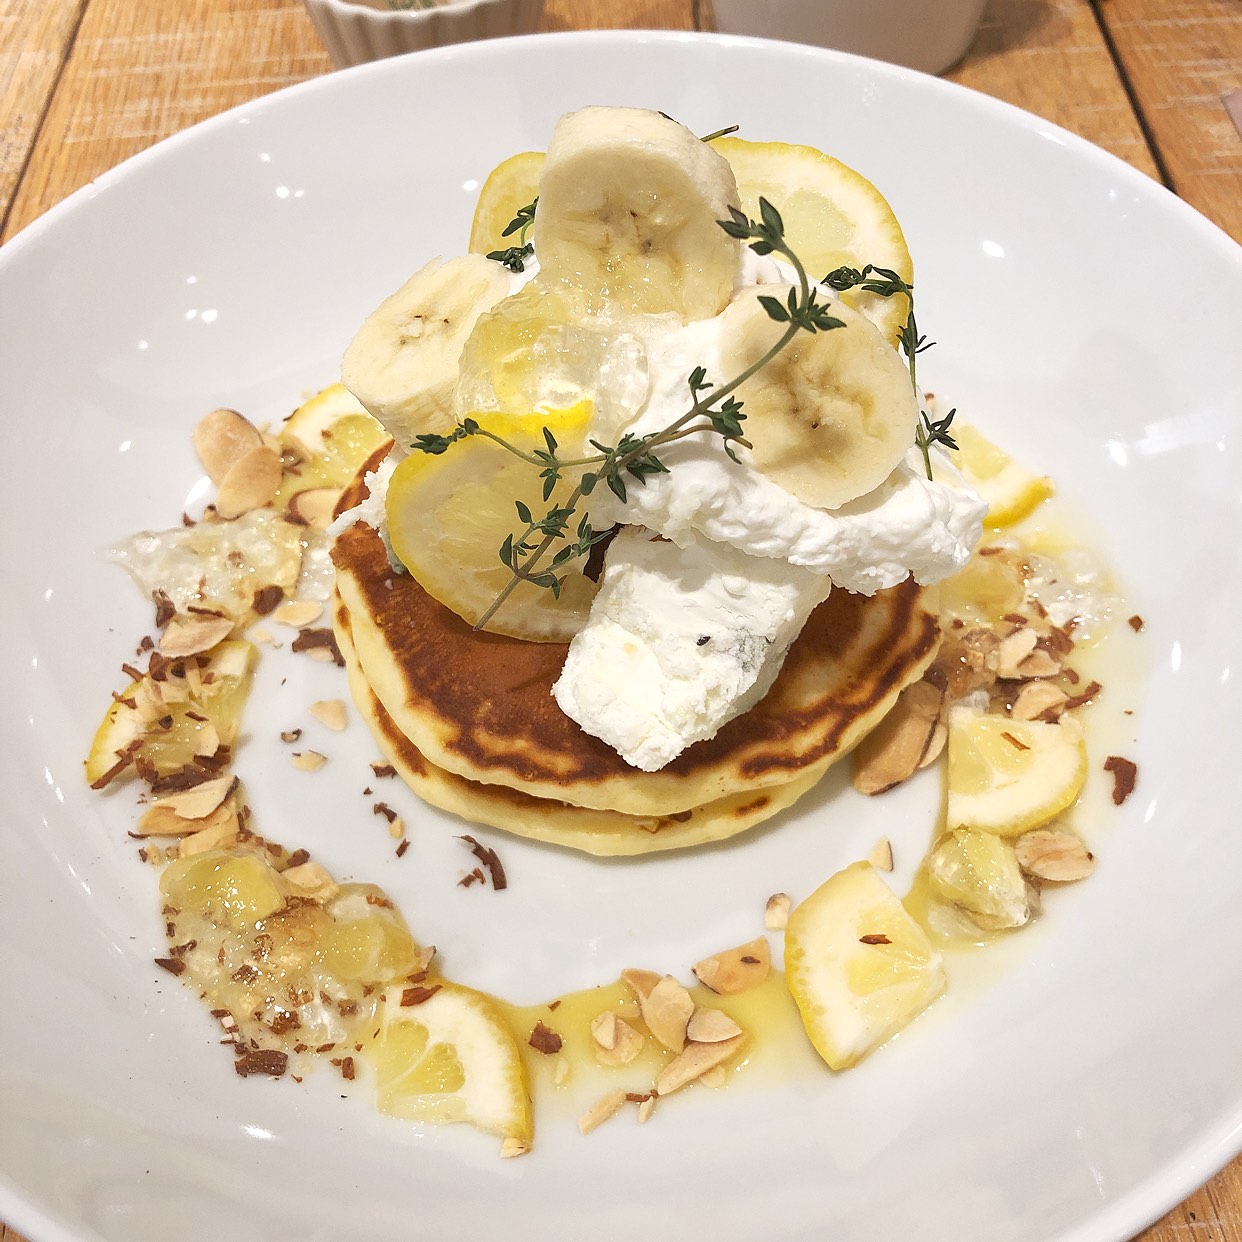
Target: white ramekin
x=354, y=31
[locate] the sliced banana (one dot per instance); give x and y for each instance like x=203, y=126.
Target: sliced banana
x=628, y=208
x=403, y=362
x=834, y=412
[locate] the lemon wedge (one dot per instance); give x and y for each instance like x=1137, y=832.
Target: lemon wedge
x=858, y=966
x=450, y=1057
x=1008, y=776
x=333, y=435
x=1011, y=490
x=175, y=718
x=509, y=187
x=449, y=513
x=833, y=216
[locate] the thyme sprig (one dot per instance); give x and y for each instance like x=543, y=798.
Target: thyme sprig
x=514, y=258
x=887, y=283
x=713, y=409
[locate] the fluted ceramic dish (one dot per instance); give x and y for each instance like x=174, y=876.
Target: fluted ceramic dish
x=1074, y=1090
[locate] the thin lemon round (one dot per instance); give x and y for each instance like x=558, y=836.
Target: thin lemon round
x=1011, y=490
x=450, y=1057
x=858, y=965
x=834, y=217
x=1008, y=776
x=450, y=513
x=510, y=187
x=334, y=435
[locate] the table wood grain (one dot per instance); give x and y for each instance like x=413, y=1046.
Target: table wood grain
x=86, y=83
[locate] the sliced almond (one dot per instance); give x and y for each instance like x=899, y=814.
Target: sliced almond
x=736, y=970
x=513, y=1147
x=189, y=634
x=1039, y=663
x=316, y=506
x=1055, y=855
x=221, y=439
x=626, y=1043
x=207, y=740
x=250, y=483
x=1013, y=649
x=160, y=820
x=641, y=981
x=308, y=760
x=217, y=837
x=776, y=912
x=311, y=880
x=881, y=857
x=892, y=752
x=694, y=1062
x=202, y=800
x=298, y=612
x=666, y=1010
x=1039, y=700
x=604, y=1029
x=599, y=1112
x=330, y=713
x=711, y=1026
x=935, y=744
x=646, y=1107
x=716, y=1077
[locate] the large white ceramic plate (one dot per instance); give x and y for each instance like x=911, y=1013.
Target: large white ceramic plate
x=1085, y=316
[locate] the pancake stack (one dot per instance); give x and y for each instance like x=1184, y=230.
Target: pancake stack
x=468, y=719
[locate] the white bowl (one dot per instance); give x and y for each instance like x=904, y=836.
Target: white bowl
x=355, y=31
x=1082, y=316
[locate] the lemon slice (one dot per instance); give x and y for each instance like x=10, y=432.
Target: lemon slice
x=833, y=216
x=449, y=514
x=173, y=732
x=858, y=966
x=335, y=435
x=1011, y=490
x=450, y=1058
x=1007, y=776
x=510, y=187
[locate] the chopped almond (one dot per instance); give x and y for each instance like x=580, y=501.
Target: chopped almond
x=711, y=1026
x=308, y=760
x=693, y=1062
x=189, y=635
x=776, y=912
x=666, y=1010
x=330, y=713
x=641, y=981
x=599, y=1112
x=882, y=856
x=736, y=970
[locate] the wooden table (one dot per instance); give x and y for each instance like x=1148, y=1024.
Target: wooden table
x=86, y=83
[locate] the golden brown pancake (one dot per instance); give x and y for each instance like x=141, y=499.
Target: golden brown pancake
x=480, y=706
x=560, y=823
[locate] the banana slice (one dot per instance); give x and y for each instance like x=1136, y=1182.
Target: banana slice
x=628, y=205
x=403, y=362
x=834, y=412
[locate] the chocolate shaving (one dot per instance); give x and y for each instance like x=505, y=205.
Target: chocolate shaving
x=383, y=770
x=165, y=609
x=417, y=995
x=1136, y=623
x=1092, y=689
x=308, y=640
x=474, y=877
x=544, y=1040
x=874, y=938
x=1125, y=775
x=404, y=845
x=382, y=808
x=488, y=857
x=267, y=598
x=298, y=857
x=269, y=1061
x=347, y=1068
x=1013, y=741
x=174, y=965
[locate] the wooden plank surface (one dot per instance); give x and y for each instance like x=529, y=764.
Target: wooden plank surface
x=1181, y=57
x=86, y=83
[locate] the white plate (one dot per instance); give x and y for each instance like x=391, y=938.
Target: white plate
x=1084, y=315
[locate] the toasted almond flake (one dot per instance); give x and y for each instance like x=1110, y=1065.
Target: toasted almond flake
x=711, y=1026
x=892, y=752
x=162, y=821
x=513, y=1147
x=1039, y=700
x=311, y=880
x=935, y=744
x=330, y=713
x=315, y=506
x=881, y=856
x=604, y=1029
x=221, y=439
x=250, y=483
x=646, y=1107
x=1053, y=854
x=776, y=912
x=202, y=800
x=599, y=1112
x=189, y=635
x=627, y=1043
x=693, y=1062
x=1039, y=663
x=666, y=1009
x=261, y=634
x=736, y=970
x=298, y=612
x=1013, y=649
x=214, y=838
x=308, y=760
x=207, y=740
x=641, y=982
